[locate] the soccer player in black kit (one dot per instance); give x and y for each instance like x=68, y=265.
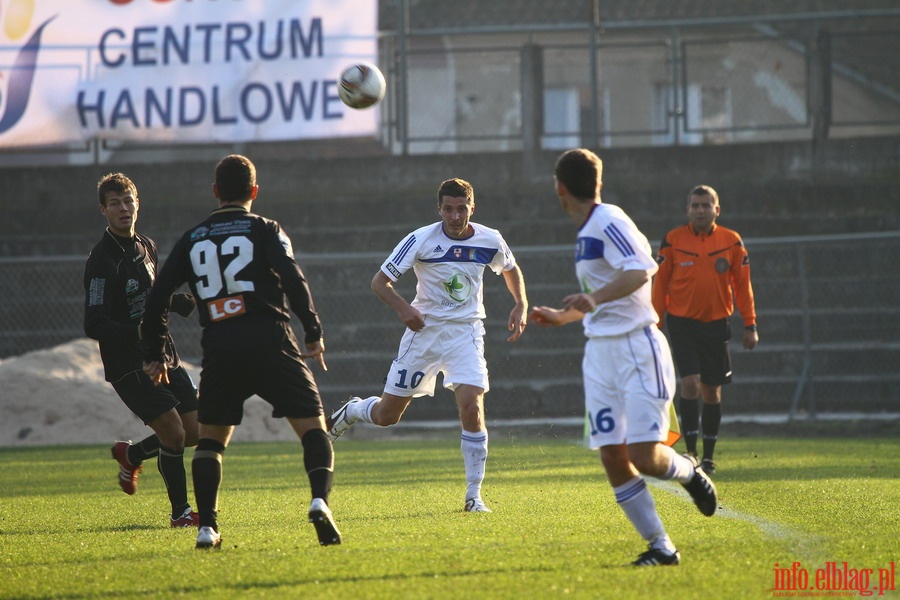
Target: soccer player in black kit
x=241, y=269
x=117, y=279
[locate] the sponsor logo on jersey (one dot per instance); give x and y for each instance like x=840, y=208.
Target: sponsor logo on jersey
x=198, y=233
x=687, y=263
x=131, y=286
x=437, y=249
x=394, y=270
x=225, y=308
x=458, y=287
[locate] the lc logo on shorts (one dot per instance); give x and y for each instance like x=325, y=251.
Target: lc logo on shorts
x=225, y=308
x=458, y=287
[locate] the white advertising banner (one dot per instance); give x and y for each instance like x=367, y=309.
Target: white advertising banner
x=180, y=70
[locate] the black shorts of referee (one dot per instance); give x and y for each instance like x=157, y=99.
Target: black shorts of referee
x=701, y=348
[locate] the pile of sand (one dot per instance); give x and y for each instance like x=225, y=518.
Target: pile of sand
x=58, y=396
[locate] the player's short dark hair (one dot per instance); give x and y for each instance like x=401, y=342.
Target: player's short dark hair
x=704, y=190
x=456, y=188
x=581, y=171
x=115, y=182
x=235, y=178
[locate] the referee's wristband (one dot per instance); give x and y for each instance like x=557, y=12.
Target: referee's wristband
x=750, y=328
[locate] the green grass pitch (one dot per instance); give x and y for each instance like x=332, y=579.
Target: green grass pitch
x=66, y=531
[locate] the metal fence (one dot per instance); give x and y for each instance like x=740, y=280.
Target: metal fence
x=829, y=314
x=668, y=82
x=642, y=84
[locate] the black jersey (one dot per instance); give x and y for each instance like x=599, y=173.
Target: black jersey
x=118, y=276
x=240, y=267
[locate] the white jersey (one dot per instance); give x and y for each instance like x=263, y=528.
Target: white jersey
x=449, y=272
x=608, y=243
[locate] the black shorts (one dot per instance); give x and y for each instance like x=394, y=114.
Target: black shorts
x=254, y=356
x=702, y=348
x=149, y=401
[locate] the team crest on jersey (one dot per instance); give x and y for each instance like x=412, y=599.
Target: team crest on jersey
x=721, y=264
x=458, y=287
x=457, y=252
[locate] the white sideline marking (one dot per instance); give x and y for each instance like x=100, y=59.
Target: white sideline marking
x=801, y=543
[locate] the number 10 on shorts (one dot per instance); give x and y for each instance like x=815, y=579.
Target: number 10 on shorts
x=414, y=381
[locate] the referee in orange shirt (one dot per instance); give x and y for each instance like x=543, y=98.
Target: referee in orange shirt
x=703, y=270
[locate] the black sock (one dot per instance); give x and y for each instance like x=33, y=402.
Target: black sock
x=144, y=449
x=690, y=422
x=712, y=417
x=171, y=467
x=318, y=458
x=206, y=469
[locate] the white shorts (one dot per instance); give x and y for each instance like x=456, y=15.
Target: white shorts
x=629, y=383
x=456, y=349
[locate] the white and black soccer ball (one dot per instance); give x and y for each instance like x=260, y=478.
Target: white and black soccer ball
x=362, y=85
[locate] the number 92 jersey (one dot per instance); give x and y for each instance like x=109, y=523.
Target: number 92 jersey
x=237, y=264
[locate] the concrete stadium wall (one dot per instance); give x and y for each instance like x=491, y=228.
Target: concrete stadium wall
x=366, y=201
x=766, y=190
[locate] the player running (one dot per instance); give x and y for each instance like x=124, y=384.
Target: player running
x=445, y=332
x=629, y=379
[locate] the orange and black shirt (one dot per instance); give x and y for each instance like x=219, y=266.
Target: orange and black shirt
x=701, y=276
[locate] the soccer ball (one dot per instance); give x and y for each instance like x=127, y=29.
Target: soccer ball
x=362, y=85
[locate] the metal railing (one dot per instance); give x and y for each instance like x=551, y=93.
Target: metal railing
x=828, y=308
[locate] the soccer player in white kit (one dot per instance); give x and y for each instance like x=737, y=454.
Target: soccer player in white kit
x=629, y=380
x=445, y=331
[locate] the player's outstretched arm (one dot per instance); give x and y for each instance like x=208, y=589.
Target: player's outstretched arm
x=546, y=316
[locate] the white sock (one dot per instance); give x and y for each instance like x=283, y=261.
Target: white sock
x=474, y=448
x=637, y=502
x=680, y=469
x=362, y=410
